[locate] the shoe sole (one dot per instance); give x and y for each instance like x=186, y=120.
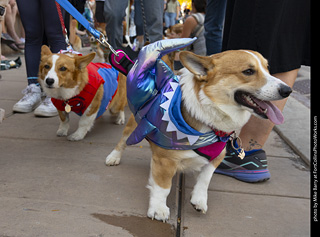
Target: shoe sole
x=248, y=176
x=24, y=110
x=45, y=114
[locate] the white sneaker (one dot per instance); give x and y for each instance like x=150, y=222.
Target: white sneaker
x=46, y=109
x=30, y=100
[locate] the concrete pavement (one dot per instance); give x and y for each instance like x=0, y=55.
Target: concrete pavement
x=52, y=187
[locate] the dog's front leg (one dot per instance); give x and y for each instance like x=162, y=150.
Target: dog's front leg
x=199, y=195
x=162, y=171
x=115, y=156
x=64, y=124
x=85, y=124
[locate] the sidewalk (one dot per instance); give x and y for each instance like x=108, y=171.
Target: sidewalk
x=52, y=187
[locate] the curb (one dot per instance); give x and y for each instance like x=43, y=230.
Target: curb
x=295, y=131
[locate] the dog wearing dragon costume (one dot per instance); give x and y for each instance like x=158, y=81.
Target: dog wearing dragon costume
x=188, y=119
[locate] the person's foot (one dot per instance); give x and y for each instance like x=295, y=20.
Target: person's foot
x=46, y=109
x=30, y=100
x=253, y=168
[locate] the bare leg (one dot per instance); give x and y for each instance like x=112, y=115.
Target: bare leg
x=251, y=139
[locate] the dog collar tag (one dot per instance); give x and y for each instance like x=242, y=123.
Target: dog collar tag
x=241, y=154
x=239, y=150
x=67, y=108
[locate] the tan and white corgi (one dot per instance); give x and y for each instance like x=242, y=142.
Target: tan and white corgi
x=218, y=93
x=76, y=84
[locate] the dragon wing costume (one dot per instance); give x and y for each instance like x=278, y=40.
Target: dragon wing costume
x=154, y=97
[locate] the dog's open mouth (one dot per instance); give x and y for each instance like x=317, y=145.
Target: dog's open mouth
x=264, y=109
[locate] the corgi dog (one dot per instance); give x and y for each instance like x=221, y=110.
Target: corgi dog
x=213, y=96
x=76, y=84
x=74, y=39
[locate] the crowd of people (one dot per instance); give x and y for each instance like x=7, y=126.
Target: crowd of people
x=278, y=29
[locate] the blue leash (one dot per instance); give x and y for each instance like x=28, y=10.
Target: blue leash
x=83, y=21
x=119, y=60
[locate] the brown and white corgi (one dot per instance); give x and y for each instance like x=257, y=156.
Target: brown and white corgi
x=218, y=92
x=76, y=84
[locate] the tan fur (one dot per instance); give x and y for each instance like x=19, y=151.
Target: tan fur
x=120, y=99
x=74, y=39
x=224, y=73
x=218, y=77
x=72, y=73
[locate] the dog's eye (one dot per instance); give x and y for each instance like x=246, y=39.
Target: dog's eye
x=249, y=72
x=62, y=69
x=46, y=66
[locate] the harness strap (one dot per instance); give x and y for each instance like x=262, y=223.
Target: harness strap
x=121, y=62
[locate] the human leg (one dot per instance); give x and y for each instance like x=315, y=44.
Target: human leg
x=52, y=26
x=251, y=139
x=32, y=23
x=214, y=25
x=154, y=16
x=114, y=12
x=167, y=19
x=10, y=17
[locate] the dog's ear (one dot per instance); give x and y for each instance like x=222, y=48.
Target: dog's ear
x=82, y=62
x=45, y=50
x=198, y=65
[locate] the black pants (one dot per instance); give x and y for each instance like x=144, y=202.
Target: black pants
x=40, y=18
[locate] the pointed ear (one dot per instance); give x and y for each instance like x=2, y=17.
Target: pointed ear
x=198, y=65
x=83, y=61
x=45, y=50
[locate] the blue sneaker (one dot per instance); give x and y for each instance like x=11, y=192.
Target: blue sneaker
x=252, y=169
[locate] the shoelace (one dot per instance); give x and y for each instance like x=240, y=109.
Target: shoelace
x=28, y=92
x=47, y=101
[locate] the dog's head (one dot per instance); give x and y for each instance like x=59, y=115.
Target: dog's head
x=174, y=31
x=62, y=71
x=237, y=80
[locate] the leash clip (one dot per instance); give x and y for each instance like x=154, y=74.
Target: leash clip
x=239, y=150
x=102, y=40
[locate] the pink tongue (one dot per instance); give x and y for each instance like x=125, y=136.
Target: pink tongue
x=273, y=113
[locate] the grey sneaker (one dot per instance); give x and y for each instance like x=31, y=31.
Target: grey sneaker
x=46, y=109
x=30, y=100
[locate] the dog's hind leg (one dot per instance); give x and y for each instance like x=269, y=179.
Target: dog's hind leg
x=120, y=100
x=115, y=156
x=199, y=195
x=162, y=171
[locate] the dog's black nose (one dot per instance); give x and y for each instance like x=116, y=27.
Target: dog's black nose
x=49, y=81
x=284, y=91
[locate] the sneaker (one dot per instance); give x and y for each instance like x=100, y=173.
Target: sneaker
x=253, y=168
x=46, y=109
x=30, y=100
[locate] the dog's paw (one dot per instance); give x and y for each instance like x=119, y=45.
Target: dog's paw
x=113, y=158
x=199, y=203
x=160, y=213
x=121, y=118
x=76, y=136
x=62, y=132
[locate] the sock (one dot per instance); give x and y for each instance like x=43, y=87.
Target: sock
x=33, y=80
